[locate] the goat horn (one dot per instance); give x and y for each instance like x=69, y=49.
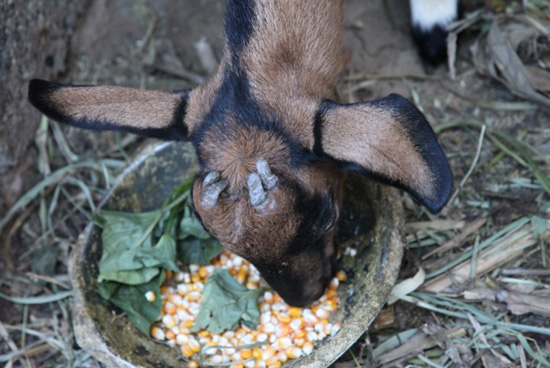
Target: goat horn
x=258, y=196
x=212, y=186
x=269, y=180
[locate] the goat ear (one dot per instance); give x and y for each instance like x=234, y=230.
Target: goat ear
x=390, y=140
x=149, y=113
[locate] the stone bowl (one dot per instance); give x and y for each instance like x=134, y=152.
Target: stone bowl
x=370, y=223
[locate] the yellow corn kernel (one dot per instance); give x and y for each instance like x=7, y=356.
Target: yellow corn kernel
x=164, y=290
x=331, y=293
x=242, y=275
x=238, y=366
x=284, y=343
x=194, y=345
x=189, y=323
x=187, y=351
x=268, y=353
x=150, y=296
x=300, y=334
x=195, y=278
x=295, y=312
x=294, y=352
x=182, y=329
x=170, y=335
x=257, y=354
x=204, y=333
x=281, y=357
x=169, y=308
x=246, y=354
x=308, y=347
x=273, y=363
x=341, y=276
x=283, y=318
x=168, y=321
x=193, y=364
x=158, y=333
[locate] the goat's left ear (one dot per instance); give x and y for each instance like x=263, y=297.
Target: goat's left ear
x=154, y=114
x=391, y=140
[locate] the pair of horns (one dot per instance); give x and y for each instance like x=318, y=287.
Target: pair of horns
x=258, y=185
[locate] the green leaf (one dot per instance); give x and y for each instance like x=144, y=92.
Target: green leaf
x=191, y=226
x=538, y=225
x=131, y=299
x=198, y=251
x=129, y=255
x=226, y=304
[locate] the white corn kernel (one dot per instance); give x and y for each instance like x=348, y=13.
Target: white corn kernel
x=182, y=339
x=296, y=324
x=168, y=321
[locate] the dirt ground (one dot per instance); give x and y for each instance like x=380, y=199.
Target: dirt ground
x=151, y=44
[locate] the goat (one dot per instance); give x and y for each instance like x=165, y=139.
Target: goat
x=273, y=144
x=430, y=19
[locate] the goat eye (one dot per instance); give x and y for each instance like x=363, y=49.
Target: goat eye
x=330, y=224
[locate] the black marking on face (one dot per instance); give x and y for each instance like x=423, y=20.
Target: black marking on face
x=235, y=99
x=318, y=127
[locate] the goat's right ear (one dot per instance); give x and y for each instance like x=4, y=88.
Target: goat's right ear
x=149, y=113
x=390, y=140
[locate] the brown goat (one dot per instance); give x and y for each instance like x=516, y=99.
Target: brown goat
x=272, y=143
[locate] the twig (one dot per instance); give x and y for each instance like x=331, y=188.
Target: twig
x=474, y=163
x=524, y=272
x=459, y=239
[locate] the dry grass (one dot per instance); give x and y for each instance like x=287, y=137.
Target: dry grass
x=482, y=298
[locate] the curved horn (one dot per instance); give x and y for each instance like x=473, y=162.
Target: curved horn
x=258, y=196
x=212, y=186
x=269, y=180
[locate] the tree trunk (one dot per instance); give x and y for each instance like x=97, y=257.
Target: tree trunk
x=34, y=37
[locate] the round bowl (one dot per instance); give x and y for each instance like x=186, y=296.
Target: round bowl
x=370, y=224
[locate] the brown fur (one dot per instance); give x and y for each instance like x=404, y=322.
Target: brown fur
x=373, y=138
x=125, y=107
x=294, y=59
x=291, y=62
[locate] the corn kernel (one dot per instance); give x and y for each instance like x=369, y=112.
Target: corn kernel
x=307, y=348
x=285, y=343
x=158, y=333
x=289, y=332
x=187, y=352
x=170, y=335
x=295, y=312
x=246, y=354
x=294, y=352
x=169, y=308
x=168, y=321
x=341, y=276
x=242, y=275
x=284, y=318
x=296, y=324
x=193, y=364
x=273, y=363
x=150, y=296
x=257, y=354
x=195, y=278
